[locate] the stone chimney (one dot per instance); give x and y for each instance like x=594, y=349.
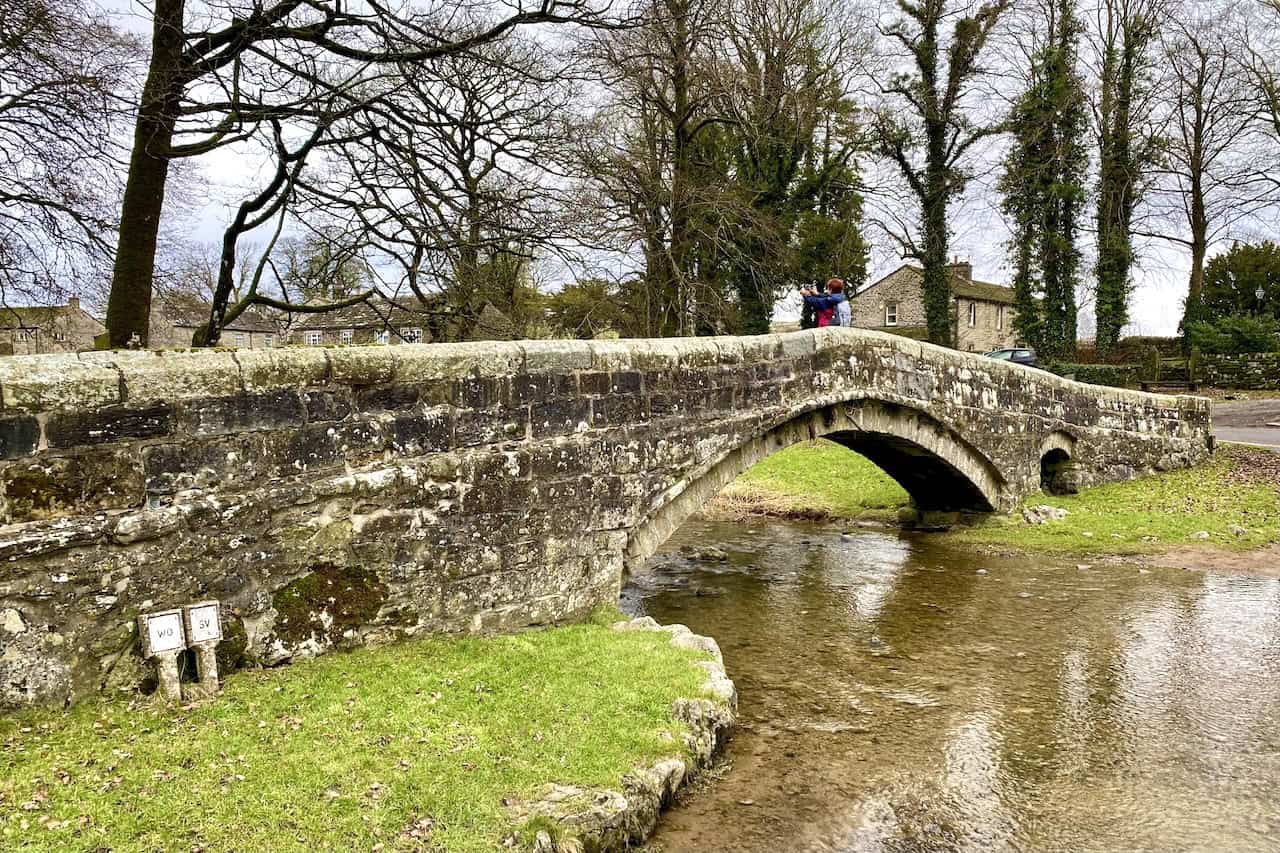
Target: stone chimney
x=961, y=269
x=73, y=303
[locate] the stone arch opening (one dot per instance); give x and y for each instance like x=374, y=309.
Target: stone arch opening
x=939, y=469
x=1059, y=471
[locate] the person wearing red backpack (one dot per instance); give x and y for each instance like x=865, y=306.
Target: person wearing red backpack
x=831, y=309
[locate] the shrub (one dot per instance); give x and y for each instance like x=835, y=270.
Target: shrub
x=1235, y=334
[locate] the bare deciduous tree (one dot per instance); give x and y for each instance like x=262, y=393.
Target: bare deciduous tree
x=222, y=73
x=461, y=175
x=64, y=78
x=1209, y=180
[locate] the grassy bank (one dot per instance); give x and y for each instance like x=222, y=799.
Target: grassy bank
x=1239, y=486
x=406, y=747
x=819, y=479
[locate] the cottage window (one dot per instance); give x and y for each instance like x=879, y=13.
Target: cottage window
x=411, y=336
x=1000, y=317
x=269, y=341
x=346, y=336
x=383, y=337
x=973, y=314
x=240, y=339
x=312, y=339
x=27, y=335
x=891, y=314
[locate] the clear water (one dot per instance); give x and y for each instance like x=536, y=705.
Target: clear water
x=901, y=694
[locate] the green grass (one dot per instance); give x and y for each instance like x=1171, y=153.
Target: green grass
x=1238, y=486
x=412, y=746
x=1154, y=513
x=817, y=478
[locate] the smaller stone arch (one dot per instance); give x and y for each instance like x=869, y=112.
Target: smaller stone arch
x=1059, y=469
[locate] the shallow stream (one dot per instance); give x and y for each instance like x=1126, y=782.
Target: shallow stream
x=900, y=694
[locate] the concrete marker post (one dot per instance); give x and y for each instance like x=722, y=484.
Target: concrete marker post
x=163, y=637
x=203, y=622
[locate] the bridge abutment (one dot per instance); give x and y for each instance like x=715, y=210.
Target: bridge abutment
x=331, y=497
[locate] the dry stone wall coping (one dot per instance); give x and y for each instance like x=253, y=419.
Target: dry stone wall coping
x=43, y=383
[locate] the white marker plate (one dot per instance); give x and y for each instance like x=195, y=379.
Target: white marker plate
x=203, y=624
x=164, y=632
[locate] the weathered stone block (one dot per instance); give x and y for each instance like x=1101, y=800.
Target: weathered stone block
x=371, y=365
x=270, y=369
x=19, y=436
x=269, y=410
x=56, y=486
x=556, y=356
x=40, y=383
x=542, y=387
x=431, y=362
x=381, y=398
x=594, y=384
x=175, y=376
x=560, y=417
x=327, y=405
x=421, y=433
x=475, y=428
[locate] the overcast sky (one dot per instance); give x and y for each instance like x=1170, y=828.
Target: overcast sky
x=979, y=231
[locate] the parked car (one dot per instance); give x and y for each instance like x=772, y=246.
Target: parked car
x=1017, y=355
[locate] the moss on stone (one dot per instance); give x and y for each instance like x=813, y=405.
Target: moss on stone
x=350, y=597
x=235, y=640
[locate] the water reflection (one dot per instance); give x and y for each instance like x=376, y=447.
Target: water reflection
x=899, y=695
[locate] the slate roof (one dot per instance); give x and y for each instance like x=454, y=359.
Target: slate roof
x=187, y=311
x=986, y=291
x=29, y=316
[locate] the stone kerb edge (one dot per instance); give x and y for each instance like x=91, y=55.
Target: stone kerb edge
x=609, y=821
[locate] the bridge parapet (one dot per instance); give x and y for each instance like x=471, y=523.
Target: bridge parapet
x=335, y=496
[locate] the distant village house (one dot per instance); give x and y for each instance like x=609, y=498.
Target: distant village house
x=983, y=311
x=29, y=330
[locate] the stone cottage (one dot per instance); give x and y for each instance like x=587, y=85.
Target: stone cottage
x=176, y=316
x=377, y=320
x=34, y=329
x=982, y=311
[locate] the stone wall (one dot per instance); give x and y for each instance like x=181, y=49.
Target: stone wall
x=330, y=497
x=1258, y=371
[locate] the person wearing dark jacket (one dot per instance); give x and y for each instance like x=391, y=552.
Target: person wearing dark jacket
x=831, y=309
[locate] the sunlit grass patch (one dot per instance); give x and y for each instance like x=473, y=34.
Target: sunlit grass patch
x=817, y=479
x=1238, y=487
x=411, y=746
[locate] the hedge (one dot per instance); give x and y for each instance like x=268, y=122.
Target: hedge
x=1115, y=375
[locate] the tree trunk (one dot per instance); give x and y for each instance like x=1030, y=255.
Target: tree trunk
x=936, y=286
x=1193, y=311
x=681, y=165
x=129, y=305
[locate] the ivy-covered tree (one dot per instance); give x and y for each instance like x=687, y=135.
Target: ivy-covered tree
x=1043, y=187
x=1126, y=149
x=928, y=134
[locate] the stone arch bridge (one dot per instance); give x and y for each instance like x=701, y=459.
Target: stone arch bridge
x=335, y=496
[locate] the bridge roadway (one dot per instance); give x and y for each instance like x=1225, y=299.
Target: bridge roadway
x=333, y=496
